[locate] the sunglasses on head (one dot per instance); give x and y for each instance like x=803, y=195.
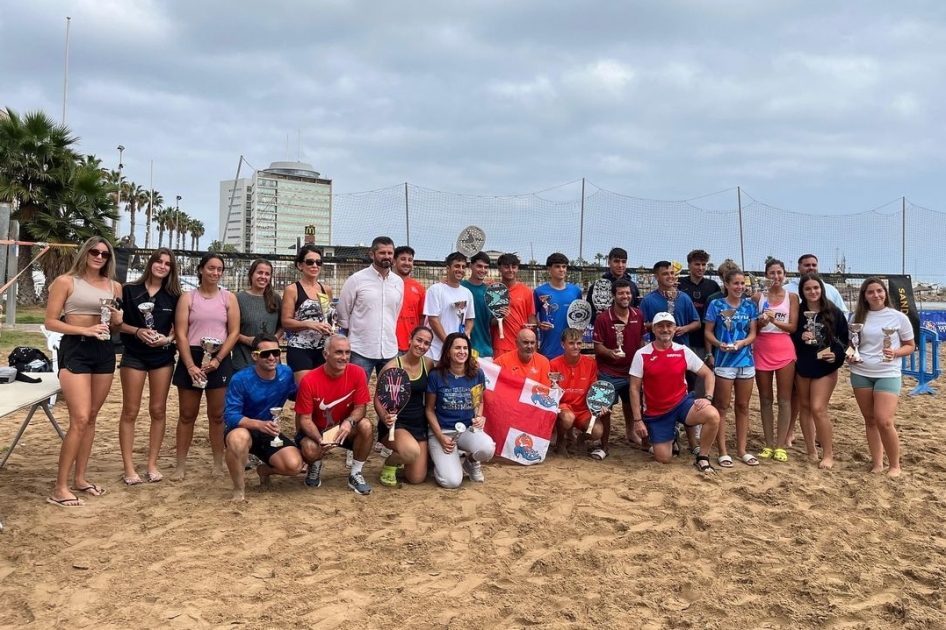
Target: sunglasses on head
x=312, y=261
x=98, y=253
x=268, y=354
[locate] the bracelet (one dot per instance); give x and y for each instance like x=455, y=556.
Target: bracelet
x=708, y=397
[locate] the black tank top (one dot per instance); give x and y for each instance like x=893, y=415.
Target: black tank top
x=413, y=413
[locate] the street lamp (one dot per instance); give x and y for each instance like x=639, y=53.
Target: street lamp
x=118, y=203
x=177, y=220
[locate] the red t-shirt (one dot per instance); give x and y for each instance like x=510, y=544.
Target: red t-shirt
x=345, y=392
x=576, y=379
x=521, y=306
x=537, y=368
x=663, y=373
x=412, y=312
x=604, y=333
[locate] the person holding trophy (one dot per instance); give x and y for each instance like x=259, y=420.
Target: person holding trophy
x=883, y=336
x=552, y=300
x=209, y=319
x=82, y=306
x=448, y=305
x=730, y=329
x=253, y=404
x=819, y=346
x=573, y=373
x=668, y=299
x=147, y=338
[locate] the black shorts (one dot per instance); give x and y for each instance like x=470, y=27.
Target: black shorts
x=348, y=444
x=418, y=433
x=147, y=363
x=261, y=444
x=304, y=359
x=86, y=355
x=216, y=379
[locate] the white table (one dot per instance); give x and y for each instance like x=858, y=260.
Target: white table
x=19, y=395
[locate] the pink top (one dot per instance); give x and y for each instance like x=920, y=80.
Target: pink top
x=781, y=312
x=208, y=316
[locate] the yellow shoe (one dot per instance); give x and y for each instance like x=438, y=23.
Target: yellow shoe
x=766, y=453
x=780, y=455
x=389, y=476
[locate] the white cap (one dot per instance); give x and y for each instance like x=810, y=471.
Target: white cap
x=663, y=317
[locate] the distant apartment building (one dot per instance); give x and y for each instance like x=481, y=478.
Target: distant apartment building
x=269, y=212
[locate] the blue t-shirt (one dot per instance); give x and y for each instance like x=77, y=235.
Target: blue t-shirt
x=741, y=322
x=252, y=397
x=480, y=337
x=551, y=344
x=683, y=310
x=455, y=396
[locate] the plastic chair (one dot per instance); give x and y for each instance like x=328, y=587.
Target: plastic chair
x=53, y=340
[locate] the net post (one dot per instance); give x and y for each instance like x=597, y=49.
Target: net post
x=742, y=247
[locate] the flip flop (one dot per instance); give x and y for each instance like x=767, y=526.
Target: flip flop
x=92, y=489
x=725, y=461
x=598, y=454
x=132, y=481
x=154, y=477
x=749, y=460
x=71, y=502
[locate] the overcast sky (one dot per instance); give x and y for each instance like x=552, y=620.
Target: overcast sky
x=809, y=106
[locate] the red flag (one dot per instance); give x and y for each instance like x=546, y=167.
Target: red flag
x=520, y=414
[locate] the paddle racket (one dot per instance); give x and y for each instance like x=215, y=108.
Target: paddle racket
x=600, y=396
x=393, y=390
x=601, y=297
x=497, y=299
x=578, y=314
x=471, y=241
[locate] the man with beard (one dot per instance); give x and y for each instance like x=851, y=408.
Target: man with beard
x=449, y=305
x=369, y=306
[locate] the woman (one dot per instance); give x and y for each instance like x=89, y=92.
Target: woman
x=876, y=377
x=730, y=329
x=148, y=353
x=86, y=358
x=304, y=306
x=260, y=309
x=774, y=355
x=207, y=311
x=819, y=345
x=455, y=396
x=410, y=430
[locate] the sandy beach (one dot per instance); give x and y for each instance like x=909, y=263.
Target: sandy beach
x=572, y=543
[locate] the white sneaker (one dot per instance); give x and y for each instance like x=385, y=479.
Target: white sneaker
x=474, y=470
x=349, y=458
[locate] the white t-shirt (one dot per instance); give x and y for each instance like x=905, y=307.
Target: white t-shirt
x=440, y=302
x=871, y=346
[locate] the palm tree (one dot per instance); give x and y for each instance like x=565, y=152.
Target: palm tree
x=155, y=200
x=183, y=223
x=136, y=197
x=164, y=218
x=196, y=230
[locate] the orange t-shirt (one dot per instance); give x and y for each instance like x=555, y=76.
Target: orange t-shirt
x=576, y=379
x=521, y=306
x=412, y=312
x=537, y=368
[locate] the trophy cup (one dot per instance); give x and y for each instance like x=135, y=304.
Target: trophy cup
x=619, y=334
x=728, y=314
x=460, y=429
x=461, y=314
x=209, y=345
x=554, y=378
x=671, y=296
x=853, y=352
x=888, y=337
x=810, y=327
x=276, y=412
x=147, y=309
x=106, y=305
x=331, y=316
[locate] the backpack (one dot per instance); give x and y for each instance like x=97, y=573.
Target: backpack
x=27, y=359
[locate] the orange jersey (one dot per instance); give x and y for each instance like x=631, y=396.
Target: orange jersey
x=412, y=312
x=576, y=379
x=537, y=369
x=521, y=307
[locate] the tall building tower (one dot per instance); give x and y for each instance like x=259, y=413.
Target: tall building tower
x=272, y=209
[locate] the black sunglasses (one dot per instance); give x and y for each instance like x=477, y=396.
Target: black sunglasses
x=268, y=354
x=312, y=261
x=98, y=253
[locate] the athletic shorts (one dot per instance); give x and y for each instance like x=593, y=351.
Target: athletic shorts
x=86, y=355
x=582, y=418
x=304, y=359
x=662, y=428
x=348, y=444
x=886, y=384
x=146, y=364
x=216, y=379
x=418, y=433
x=735, y=373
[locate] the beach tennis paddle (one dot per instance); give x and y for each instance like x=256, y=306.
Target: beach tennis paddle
x=601, y=297
x=393, y=391
x=497, y=299
x=329, y=436
x=471, y=240
x=578, y=314
x=600, y=396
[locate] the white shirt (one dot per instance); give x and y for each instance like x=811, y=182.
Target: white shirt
x=871, y=346
x=833, y=295
x=439, y=303
x=368, y=308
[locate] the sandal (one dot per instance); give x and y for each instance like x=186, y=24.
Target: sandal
x=703, y=465
x=749, y=460
x=725, y=461
x=766, y=453
x=781, y=455
x=134, y=480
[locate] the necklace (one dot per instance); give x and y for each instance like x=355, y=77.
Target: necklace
x=207, y=297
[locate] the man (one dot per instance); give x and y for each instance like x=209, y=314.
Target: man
x=449, y=305
x=521, y=310
x=248, y=425
x=480, y=337
x=525, y=361
x=688, y=320
x=614, y=354
x=660, y=367
x=552, y=300
x=808, y=263
x=334, y=395
x=578, y=372
x=369, y=306
x=698, y=288
x=617, y=270
x=412, y=307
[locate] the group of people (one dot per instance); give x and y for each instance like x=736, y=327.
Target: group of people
x=683, y=354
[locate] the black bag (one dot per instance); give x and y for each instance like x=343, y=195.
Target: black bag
x=27, y=359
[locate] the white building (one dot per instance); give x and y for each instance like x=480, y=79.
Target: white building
x=271, y=210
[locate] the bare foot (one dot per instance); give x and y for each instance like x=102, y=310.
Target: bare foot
x=562, y=450
x=265, y=482
x=826, y=464
x=813, y=457
x=893, y=473
x=238, y=497
x=179, y=473
x=874, y=470
x=217, y=470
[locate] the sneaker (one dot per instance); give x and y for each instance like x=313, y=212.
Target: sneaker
x=389, y=476
x=349, y=458
x=313, y=476
x=474, y=470
x=357, y=483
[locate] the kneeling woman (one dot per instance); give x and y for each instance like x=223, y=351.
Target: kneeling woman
x=410, y=430
x=455, y=396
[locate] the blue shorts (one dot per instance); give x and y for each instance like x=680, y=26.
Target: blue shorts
x=662, y=428
x=886, y=384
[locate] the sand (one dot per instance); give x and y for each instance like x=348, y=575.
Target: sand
x=622, y=543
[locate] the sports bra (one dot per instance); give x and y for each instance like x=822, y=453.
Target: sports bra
x=84, y=299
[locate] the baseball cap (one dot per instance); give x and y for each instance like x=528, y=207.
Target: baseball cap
x=663, y=317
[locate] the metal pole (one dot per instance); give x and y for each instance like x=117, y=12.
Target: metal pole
x=118, y=203
x=150, y=216
x=903, y=238
x=581, y=225
x=11, y=265
x=5, y=210
x=65, y=80
x=407, y=215
x=177, y=221
x=742, y=247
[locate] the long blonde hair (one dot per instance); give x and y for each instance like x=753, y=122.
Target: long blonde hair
x=81, y=262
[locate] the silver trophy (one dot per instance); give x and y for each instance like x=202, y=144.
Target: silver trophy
x=728, y=314
x=461, y=314
x=554, y=378
x=275, y=412
x=331, y=316
x=147, y=310
x=619, y=338
x=853, y=352
x=671, y=297
x=209, y=346
x=888, y=339
x=810, y=327
x=460, y=430
x=106, y=316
